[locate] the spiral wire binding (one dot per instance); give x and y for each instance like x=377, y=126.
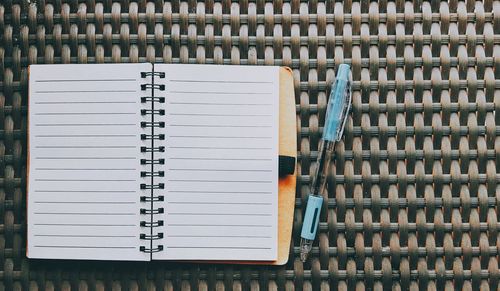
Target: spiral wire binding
x=152, y=224
x=160, y=149
x=152, y=136
x=148, y=111
x=158, y=74
x=146, y=99
x=152, y=186
x=151, y=162
x=144, y=87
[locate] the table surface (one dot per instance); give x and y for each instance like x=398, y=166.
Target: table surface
x=413, y=194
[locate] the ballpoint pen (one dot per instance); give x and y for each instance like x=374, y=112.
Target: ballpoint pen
x=338, y=107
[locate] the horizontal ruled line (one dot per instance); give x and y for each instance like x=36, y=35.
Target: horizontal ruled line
x=219, y=148
x=217, y=192
x=87, y=113
x=86, y=180
x=85, y=169
x=221, y=81
x=87, y=91
x=219, y=214
x=86, y=147
x=219, y=136
x=85, y=191
x=220, y=92
x=80, y=235
x=86, y=102
x=85, y=158
x=234, y=236
x=85, y=135
x=219, y=203
x=84, y=80
x=223, y=247
x=82, y=247
x=81, y=224
x=213, y=114
x=220, y=125
x=213, y=103
x=82, y=202
x=86, y=124
x=86, y=213
x=218, y=159
x=218, y=170
x=218, y=181
x=217, y=225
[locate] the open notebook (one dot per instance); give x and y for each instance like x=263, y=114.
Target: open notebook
x=135, y=162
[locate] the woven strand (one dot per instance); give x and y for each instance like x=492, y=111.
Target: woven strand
x=413, y=196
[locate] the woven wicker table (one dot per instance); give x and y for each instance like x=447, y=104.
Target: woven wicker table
x=413, y=198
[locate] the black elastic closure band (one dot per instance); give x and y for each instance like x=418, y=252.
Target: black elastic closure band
x=286, y=165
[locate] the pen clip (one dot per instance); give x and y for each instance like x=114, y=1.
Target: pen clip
x=345, y=111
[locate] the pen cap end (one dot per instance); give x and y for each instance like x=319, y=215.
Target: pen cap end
x=343, y=72
x=338, y=104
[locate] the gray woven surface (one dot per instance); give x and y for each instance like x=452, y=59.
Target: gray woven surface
x=413, y=198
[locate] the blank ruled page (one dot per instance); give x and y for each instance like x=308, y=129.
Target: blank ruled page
x=84, y=169
x=221, y=168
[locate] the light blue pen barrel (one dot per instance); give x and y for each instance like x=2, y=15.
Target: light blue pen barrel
x=311, y=217
x=336, y=114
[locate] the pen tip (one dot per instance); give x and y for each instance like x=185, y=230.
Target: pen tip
x=303, y=257
x=305, y=249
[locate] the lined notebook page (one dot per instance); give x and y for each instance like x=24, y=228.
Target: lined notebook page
x=221, y=169
x=83, y=195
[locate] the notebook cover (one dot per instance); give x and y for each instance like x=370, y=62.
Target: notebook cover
x=287, y=147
